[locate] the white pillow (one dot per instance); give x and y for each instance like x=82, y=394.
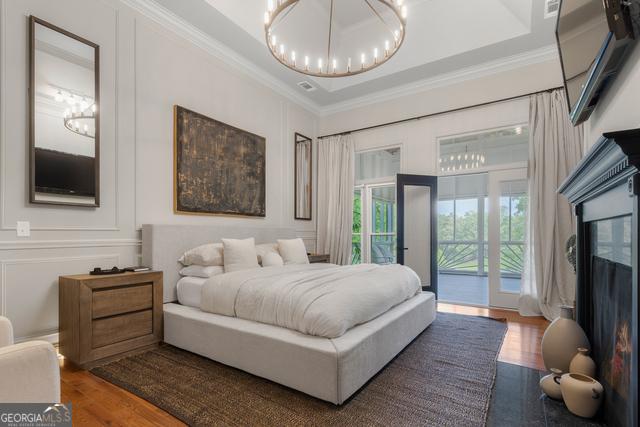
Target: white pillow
x=204, y=271
x=239, y=254
x=293, y=251
x=266, y=248
x=209, y=254
x=272, y=259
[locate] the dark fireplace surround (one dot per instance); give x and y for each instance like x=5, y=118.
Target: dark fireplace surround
x=605, y=190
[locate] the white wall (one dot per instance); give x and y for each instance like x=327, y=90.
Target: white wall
x=145, y=69
x=519, y=81
x=618, y=108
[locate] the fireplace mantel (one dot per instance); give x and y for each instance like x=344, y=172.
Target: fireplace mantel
x=612, y=161
x=605, y=190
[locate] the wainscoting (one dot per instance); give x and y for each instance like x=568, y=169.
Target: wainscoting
x=138, y=90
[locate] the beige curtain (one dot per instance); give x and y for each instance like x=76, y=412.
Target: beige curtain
x=555, y=147
x=335, y=197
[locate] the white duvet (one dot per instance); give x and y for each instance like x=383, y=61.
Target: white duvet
x=316, y=299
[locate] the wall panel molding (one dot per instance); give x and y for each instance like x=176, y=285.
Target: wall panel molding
x=12, y=245
x=4, y=263
x=3, y=139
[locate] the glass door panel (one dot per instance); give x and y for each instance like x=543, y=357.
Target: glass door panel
x=462, y=233
x=513, y=217
x=382, y=238
x=509, y=199
x=356, y=236
x=417, y=233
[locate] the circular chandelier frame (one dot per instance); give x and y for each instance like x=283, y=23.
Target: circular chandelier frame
x=75, y=118
x=327, y=66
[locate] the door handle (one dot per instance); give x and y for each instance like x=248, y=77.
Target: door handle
x=405, y=249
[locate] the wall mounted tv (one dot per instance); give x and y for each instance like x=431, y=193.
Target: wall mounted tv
x=593, y=39
x=64, y=173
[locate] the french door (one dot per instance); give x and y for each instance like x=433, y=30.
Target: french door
x=417, y=230
x=482, y=225
x=374, y=231
x=508, y=203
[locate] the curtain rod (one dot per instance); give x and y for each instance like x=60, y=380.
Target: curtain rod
x=424, y=116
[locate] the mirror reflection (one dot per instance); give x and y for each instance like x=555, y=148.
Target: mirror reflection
x=303, y=177
x=64, y=117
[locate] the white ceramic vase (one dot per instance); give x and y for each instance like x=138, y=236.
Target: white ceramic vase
x=550, y=384
x=582, y=363
x=561, y=341
x=582, y=394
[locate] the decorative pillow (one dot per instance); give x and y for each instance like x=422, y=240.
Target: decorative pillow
x=272, y=259
x=204, y=271
x=239, y=254
x=293, y=251
x=209, y=254
x=266, y=248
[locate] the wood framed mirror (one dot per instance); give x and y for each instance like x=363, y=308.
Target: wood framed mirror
x=64, y=134
x=303, y=177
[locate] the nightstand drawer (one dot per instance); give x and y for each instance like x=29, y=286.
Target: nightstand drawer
x=121, y=328
x=105, y=316
x=122, y=300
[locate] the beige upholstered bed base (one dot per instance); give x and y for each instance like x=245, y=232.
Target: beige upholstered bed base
x=329, y=369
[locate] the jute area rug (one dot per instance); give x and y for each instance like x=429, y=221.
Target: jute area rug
x=443, y=378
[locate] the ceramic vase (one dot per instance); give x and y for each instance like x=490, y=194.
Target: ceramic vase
x=582, y=363
x=561, y=341
x=582, y=394
x=550, y=384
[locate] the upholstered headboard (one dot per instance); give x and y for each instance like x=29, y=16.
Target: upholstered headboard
x=162, y=245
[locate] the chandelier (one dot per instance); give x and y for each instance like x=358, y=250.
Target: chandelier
x=390, y=17
x=461, y=161
x=80, y=115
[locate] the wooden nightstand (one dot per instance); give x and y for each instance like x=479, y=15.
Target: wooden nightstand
x=104, y=316
x=318, y=258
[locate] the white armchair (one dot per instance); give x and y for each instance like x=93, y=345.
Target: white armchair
x=29, y=371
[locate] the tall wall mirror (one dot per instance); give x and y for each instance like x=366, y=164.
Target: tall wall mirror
x=303, y=178
x=64, y=134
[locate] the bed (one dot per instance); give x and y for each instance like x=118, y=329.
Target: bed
x=330, y=369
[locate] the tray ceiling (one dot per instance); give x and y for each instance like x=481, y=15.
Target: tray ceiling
x=441, y=39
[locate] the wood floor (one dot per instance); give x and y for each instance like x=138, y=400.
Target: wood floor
x=97, y=402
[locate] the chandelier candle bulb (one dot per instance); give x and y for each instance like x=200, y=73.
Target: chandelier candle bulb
x=293, y=57
x=320, y=65
x=273, y=40
x=270, y=6
x=386, y=48
x=362, y=60
x=375, y=55
x=306, y=62
x=266, y=17
x=348, y=65
x=403, y=12
x=335, y=65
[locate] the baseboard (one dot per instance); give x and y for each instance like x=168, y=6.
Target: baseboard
x=52, y=338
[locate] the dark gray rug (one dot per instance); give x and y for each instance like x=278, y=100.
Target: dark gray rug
x=444, y=377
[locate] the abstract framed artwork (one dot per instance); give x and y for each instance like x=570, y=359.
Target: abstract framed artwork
x=218, y=169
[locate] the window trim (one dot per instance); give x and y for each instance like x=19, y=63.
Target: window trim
x=504, y=166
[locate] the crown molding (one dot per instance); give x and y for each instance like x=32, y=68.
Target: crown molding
x=167, y=19
x=509, y=63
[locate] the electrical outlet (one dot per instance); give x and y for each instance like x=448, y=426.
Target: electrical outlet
x=23, y=229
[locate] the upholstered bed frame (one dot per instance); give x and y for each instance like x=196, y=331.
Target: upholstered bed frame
x=329, y=369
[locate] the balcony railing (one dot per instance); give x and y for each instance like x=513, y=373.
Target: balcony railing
x=471, y=257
